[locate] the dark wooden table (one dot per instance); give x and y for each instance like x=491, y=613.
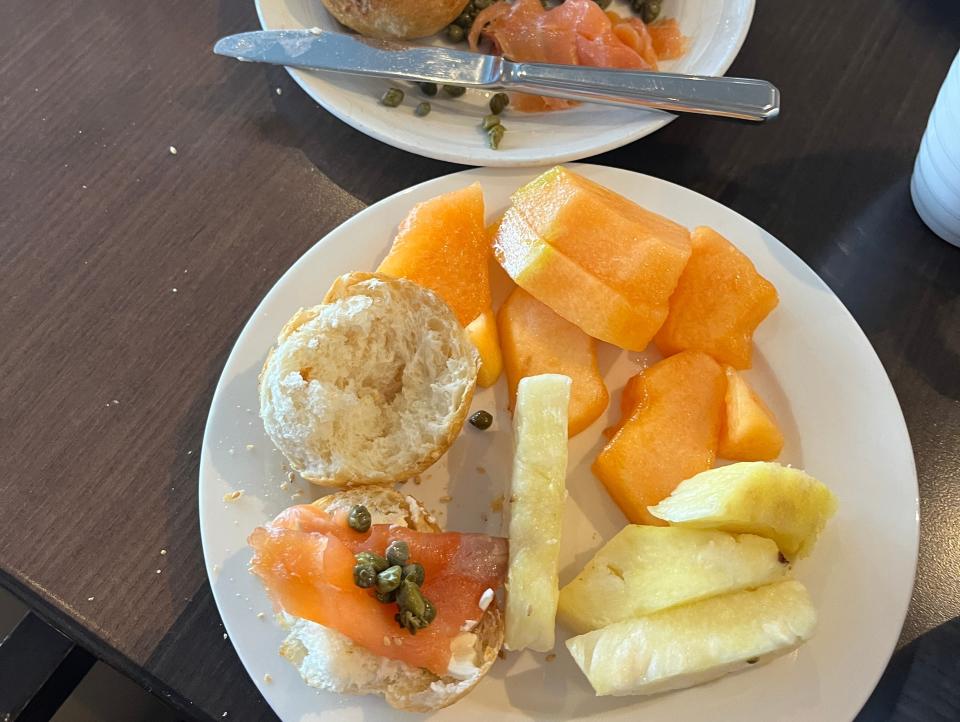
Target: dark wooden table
x=107, y=373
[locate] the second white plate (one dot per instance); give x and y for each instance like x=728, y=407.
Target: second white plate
x=716, y=28
x=814, y=367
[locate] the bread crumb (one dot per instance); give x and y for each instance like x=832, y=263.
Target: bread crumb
x=291, y=476
x=481, y=470
x=501, y=653
x=267, y=679
x=445, y=498
x=386, y=641
x=483, y=517
x=233, y=495
x=497, y=503
x=297, y=494
x=417, y=480
x=250, y=447
x=216, y=568
x=173, y=151
x=550, y=657
x=261, y=615
x=513, y=498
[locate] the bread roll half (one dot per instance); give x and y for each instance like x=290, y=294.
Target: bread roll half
x=327, y=659
x=370, y=387
x=401, y=19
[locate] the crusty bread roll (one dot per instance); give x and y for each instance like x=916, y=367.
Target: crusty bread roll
x=400, y=19
x=327, y=659
x=370, y=387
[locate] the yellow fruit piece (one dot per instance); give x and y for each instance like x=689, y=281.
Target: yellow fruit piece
x=749, y=431
x=443, y=244
x=535, y=340
x=482, y=332
x=755, y=497
x=537, y=495
x=644, y=569
x=695, y=643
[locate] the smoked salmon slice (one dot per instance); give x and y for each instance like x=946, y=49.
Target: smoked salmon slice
x=305, y=558
x=576, y=32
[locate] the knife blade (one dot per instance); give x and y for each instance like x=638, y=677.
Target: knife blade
x=315, y=49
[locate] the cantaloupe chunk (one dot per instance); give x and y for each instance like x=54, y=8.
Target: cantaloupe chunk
x=536, y=341
x=670, y=437
x=749, y=431
x=719, y=302
x=630, y=398
x=636, y=252
x=553, y=279
x=443, y=244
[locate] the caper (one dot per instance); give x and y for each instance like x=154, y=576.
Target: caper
x=482, y=4
x=429, y=611
x=389, y=579
x=370, y=559
x=455, y=33
x=386, y=597
x=422, y=109
x=498, y=102
x=364, y=576
x=463, y=20
x=392, y=98
x=414, y=572
x=398, y=552
x=637, y=5
x=651, y=11
x=487, y=123
x=753, y=660
x=409, y=598
x=494, y=136
x=454, y=91
x=483, y=419
x=408, y=621
x=429, y=88
x=604, y=4
x=359, y=518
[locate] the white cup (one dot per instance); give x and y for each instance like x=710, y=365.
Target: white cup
x=935, y=186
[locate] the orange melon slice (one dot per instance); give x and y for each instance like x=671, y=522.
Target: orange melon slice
x=637, y=253
x=750, y=431
x=719, y=302
x=442, y=244
x=573, y=293
x=536, y=341
x=671, y=436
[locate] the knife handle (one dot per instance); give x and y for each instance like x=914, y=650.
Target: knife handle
x=743, y=98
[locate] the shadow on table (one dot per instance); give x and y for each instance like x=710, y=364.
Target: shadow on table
x=922, y=681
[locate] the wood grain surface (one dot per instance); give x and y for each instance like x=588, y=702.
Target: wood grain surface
x=126, y=273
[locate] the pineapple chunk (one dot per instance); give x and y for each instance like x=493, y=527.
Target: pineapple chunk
x=778, y=502
x=644, y=569
x=538, y=492
x=695, y=643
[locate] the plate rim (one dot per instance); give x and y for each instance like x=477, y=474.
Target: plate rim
x=206, y=444
x=489, y=159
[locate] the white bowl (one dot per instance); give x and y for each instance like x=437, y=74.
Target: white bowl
x=717, y=29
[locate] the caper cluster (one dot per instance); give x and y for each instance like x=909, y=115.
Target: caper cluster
x=459, y=29
x=395, y=579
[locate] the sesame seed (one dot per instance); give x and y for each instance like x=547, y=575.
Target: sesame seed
x=233, y=495
x=89, y=599
x=224, y=635
x=250, y=447
x=163, y=552
x=174, y=290
x=159, y=570
x=267, y=679
x=279, y=91
x=173, y=151
x=260, y=615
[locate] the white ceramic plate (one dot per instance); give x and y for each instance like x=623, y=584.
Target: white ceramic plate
x=717, y=29
x=813, y=365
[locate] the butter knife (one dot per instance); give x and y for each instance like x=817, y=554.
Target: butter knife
x=315, y=49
